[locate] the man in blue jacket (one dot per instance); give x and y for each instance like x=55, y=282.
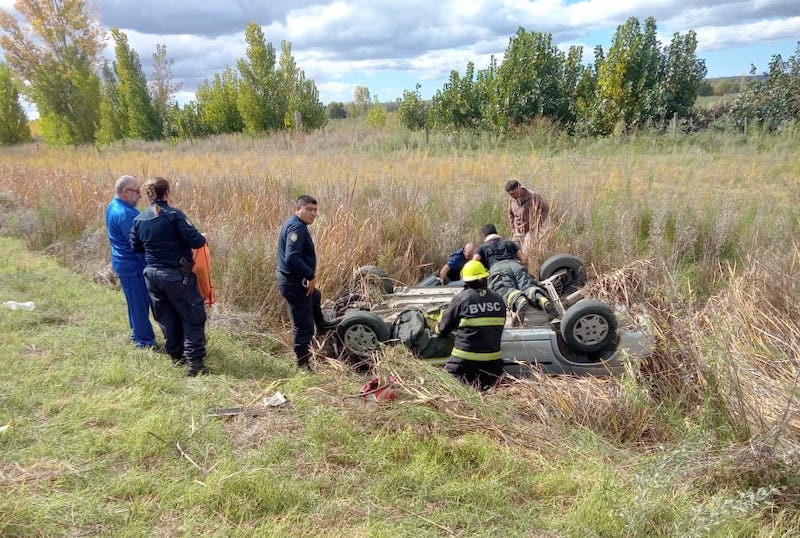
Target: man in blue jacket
x=297, y=277
x=127, y=264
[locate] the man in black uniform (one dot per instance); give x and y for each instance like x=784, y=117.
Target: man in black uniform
x=509, y=275
x=167, y=238
x=297, y=279
x=476, y=316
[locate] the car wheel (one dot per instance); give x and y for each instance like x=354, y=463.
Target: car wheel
x=573, y=272
x=362, y=332
x=370, y=280
x=589, y=326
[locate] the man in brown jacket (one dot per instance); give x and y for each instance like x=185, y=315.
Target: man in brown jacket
x=527, y=211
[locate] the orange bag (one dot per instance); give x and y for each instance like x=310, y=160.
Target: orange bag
x=202, y=269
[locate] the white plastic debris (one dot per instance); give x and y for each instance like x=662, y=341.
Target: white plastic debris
x=275, y=400
x=14, y=305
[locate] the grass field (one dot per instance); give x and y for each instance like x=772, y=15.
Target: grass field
x=698, y=232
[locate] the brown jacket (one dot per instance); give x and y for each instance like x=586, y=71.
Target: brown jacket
x=528, y=212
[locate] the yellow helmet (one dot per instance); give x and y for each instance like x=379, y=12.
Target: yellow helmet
x=473, y=270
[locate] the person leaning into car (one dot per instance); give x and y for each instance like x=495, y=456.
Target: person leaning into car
x=527, y=211
x=297, y=278
x=476, y=316
x=451, y=270
x=509, y=275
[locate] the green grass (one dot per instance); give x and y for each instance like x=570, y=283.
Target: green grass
x=103, y=439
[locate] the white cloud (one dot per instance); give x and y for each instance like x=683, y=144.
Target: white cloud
x=343, y=43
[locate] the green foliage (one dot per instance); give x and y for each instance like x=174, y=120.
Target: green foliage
x=13, y=122
x=638, y=84
x=536, y=79
x=135, y=102
x=162, y=88
x=377, y=115
x=270, y=98
x=55, y=52
x=336, y=111
x=216, y=104
x=260, y=103
x=412, y=112
x=188, y=122
x=774, y=100
x=113, y=117
x=627, y=78
x=361, y=102
x=459, y=104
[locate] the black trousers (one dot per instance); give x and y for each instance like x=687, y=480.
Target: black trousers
x=180, y=310
x=482, y=374
x=306, y=312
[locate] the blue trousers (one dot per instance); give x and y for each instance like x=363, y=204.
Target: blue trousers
x=180, y=310
x=138, y=300
x=306, y=312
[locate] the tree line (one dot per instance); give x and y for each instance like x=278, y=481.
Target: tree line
x=53, y=59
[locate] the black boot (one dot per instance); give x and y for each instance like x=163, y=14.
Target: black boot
x=196, y=368
x=178, y=360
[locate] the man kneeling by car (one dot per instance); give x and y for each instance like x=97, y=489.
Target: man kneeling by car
x=476, y=316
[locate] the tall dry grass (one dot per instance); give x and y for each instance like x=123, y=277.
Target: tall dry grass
x=697, y=232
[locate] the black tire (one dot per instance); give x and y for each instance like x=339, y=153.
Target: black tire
x=371, y=277
x=574, y=273
x=589, y=326
x=362, y=333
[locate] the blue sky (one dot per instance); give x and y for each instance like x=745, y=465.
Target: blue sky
x=390, y=46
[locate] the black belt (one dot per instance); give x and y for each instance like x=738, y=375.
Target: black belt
x=291, y=276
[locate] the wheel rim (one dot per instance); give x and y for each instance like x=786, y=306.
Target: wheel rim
x=360, y=339
x=591, y=329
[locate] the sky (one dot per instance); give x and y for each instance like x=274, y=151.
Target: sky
x=390, y=46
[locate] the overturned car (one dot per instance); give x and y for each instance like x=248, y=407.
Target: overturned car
x=587, y=338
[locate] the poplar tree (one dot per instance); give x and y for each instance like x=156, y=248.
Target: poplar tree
x=143, y=121
x=53, y=49
x=260, y=102
x=216, y=104
x=13, y=122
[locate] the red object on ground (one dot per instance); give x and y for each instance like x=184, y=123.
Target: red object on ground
x=378, y=390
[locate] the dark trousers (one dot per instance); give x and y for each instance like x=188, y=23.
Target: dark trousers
x=138, y=300
x=180, y=310
x=512, y=281
x=306, y=312
x=481, y=374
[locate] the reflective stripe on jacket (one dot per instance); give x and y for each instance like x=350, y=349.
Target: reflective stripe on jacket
x=476, y=317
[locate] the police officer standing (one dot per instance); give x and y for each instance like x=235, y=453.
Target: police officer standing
x=476, y=316
x=297, y=278
x=167, y=238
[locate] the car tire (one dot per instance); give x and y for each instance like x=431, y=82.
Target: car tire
x=369, y=278
x=574, y=277
x=589, y=326
x=361, y=333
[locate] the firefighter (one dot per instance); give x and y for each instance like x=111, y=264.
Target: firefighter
x=476, y=316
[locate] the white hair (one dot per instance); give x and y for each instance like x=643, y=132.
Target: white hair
x=123, y=182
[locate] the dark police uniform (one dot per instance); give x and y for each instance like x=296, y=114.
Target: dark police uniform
x=297, y=262
x=167, y=238
x=455, y=263
x=507, y=276
x=476, y=316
